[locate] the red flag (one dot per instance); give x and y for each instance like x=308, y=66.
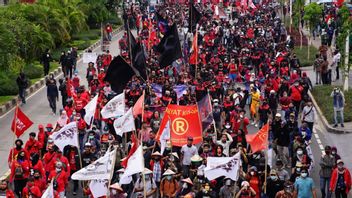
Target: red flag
x=184, y=121
x=138, y=107
x=22, y=122
x=193, y=59
x=259, y=141
x=133, y=149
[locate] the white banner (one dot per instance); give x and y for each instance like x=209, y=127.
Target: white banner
x=135, y=164
x=100, y=169
x=90, y=57
x=49, y=192
x=125, y=123
x=90, y=110
x=67, y=135
x=223, y=166
x=115, y=107
x=164, y=137
x=99, y=187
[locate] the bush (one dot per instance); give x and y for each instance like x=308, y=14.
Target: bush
x=33, y=70
x=91, y=34
x=8, y=84
x=322, y=96
x=302, y=55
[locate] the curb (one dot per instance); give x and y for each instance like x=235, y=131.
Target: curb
x=39, y=84
x=325, y=122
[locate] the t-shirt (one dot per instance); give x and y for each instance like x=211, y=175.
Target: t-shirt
x=188, y=152
x=304, y=187
x=149, y=186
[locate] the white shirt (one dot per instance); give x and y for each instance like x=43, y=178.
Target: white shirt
x=308, y=114
x=188, y=152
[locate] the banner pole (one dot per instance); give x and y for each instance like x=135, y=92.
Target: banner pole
x=266, y=162
x=112, y=168
x=14, y=131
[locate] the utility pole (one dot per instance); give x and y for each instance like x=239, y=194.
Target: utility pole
x=290, y=15
x=347, y=51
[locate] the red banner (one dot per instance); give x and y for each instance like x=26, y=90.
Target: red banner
x=259, y=140
x=185, y=122
x=22, y=122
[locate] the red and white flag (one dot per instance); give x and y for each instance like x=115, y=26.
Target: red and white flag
x=20, y=122
x=138, y=107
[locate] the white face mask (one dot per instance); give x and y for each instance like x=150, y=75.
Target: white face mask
x=304, y=174
x=185, y=185
x=299, y=152
x=58, y=169
x=252, y=173
x=273, y=178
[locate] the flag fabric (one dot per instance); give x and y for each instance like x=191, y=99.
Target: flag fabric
x=99, y=187
x=194, y=17
x=180, y=90
x=134, y=162
x=99, y=169
x=259, y=140
x=164, y=137
x=184, y=121
x=90, y=110
x=158, y=89
x=124, y=123
x=251, y=4
x=49, y=192
x=138, y=56
x=169, y=47
x=223, y=166
x=205, y=112
x=20, y=122
x=119, y=73
x=115, y=107
x=193, y=59
x=138, y=107
x=162, y=23
x=67, y=135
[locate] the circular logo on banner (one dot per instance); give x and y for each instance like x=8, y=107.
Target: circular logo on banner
x=179, y=126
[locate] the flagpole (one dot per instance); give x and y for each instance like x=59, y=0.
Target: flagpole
x=112, y=169
x=266, y=163
x=14, y=131
x=196, y=51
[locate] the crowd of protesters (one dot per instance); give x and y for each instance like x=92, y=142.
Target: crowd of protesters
x=247, y=66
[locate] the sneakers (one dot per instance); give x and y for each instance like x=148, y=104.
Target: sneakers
x=342, y=125
x=256, y=125
x=74, y=193
x=335, y=125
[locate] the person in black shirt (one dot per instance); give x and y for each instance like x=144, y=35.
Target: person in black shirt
x=22, y=83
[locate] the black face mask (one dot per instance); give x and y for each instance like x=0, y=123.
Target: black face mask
x=36, y=177
x=18, y=146
x=20, y=157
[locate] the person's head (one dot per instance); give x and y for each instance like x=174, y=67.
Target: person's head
x=224, y=137
x=58, y=167
x=156, y=114
x=87, y=147
x=49, y=127
x=32, y=135
x=340, y=165
x=3, y=185
x=304, y=173
x=21, y=155
x=252, y=170
x=327, y=150
x=299, y=151
x=36, y=174
x=309, y=103
x=19, y=143
x=279, y=164
x=284, y=94
x=333, y=150
x=206, y=147
x=219, y=149
x=152, y=135
x=189, y=141
x=273, y=175
x=288, y=187
x=277, y=116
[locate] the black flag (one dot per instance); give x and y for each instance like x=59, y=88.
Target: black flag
x=138, y=56
x=162, y=23
x=169, y=47
x=194, y=17
x=118, y=74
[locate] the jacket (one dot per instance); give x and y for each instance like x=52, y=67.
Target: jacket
x=334, y=177
x=169, y=188
x=61, y=179
x=327, y=163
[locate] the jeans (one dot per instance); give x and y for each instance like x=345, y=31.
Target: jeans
x=22, y=95
x=340, y=193
x=185, y=171
x=317, y=77
x=335, y=116
x=324, y=187
x=52, y=103
x=283, y=154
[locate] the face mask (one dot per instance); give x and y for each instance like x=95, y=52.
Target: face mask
x=18, y=146
x=36, y=177
x=91, y=136
x=185, y=185
x=304, y=175
x=252, y=173
x=228, y=183
x=273, y=178
x=288, y=190
x=333, y=152
x=340, y=166
x=48, y=129
x=169, y=177
x=58, y=169
x=299, y=152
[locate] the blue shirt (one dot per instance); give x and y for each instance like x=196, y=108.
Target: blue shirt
x=304, y=187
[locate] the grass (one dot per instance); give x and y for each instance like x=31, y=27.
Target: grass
x=302, y=55
x=322, y=96
x=4, y=99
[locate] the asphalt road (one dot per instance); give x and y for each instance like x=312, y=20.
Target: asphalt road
x=37, y=108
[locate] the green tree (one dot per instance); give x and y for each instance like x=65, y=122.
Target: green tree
x=298, y=7
x=312, y=15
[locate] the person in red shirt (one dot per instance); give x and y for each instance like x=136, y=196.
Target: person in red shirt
x=39, y=180
x=108, y=30
x=41, y=139
x=20, y=172
x=47, y=158
x=14, y=151
x=296, y=95
x=241, y=122
x=31, y=190
x=79, y=103
x=5, y=191
x=60, y=177
x=36, y=164
x=58, y=157
x=73, y=159
x=32, y=145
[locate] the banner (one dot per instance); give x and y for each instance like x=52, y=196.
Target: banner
x=125, y=123
x=90, y=57
x=100, y=169
x=205, y=112
x=21, y=121
x=223, y=166
x=259, y=141
x=49, y=192
x=115, y=107
x=67, y=135
x=184, y=122
x=165, y=136
x=90, y=110
x=99, y=188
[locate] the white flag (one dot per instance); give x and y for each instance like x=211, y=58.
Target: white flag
x=100, y=169
x=164, y=137
x=90, y=110
x=124, y=123
x=99, y=187
x=135, y=164
x=223, y=166
x=67, y=135
x=49, y=192
x=115, y=107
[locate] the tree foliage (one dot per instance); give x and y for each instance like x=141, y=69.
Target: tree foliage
x=345, y=28
x=312, y=14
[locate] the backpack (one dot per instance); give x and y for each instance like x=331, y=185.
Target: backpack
x=18, y=171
